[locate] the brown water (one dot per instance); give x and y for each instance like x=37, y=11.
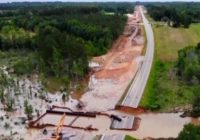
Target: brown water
x=155, y=125
x=152, y=125
x=161, y=125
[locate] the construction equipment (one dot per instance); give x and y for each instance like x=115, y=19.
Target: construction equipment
x=115, y=117
x=57, y=135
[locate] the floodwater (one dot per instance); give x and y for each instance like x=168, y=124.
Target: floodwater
x=156, y=126
x=161, y=125
x=152, y=125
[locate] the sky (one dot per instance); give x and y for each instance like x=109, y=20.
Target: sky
x=4, y=1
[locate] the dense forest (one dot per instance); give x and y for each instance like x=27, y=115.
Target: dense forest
x=188, y=70
x=60, y=38
x=175, y=14
x=188, y=65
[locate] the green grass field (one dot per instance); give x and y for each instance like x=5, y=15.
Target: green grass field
x=164, y=91
x=169, y=40
x=129, y=138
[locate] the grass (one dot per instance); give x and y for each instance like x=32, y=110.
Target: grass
x=170, y=40
x=164, y=91
x=127, y=137
x=11, y=56
x=53, y=84
x=145, y=38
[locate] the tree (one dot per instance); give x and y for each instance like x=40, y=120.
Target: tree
x=190, y=132
x=188, y=65
x=10, y=102
x=196, y=103
x=63, y=97
x=176, y=15
x=6, y=125
x=56, y=64
x=15, y=38
x=186, y=20
x=28, y=109
x=2, y=99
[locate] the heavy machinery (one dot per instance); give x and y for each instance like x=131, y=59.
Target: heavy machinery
x=57, y=135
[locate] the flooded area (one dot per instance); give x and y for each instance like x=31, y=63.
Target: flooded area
x=114, y=71
x=161, y=125
x=155, y=125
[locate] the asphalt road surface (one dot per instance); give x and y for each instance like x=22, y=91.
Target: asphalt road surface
x=137, y=87
x=113, y=137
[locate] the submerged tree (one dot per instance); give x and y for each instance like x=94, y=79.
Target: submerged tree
x=28, y=109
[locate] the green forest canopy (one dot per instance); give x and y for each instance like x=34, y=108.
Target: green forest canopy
x=176, y=14
x=188, y=65
x=62, y=37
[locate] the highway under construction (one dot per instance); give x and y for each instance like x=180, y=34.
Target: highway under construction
x=95, y=112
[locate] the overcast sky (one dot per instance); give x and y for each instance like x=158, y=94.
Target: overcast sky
x=3, y=1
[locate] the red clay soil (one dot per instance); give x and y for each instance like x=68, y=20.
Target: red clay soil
x=116, y=70
x=118, y=60
x=130, y=110
x=111, y=74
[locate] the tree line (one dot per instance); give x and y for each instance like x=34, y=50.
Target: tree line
x=62, y=38
x=188, y=65
x=189, y=132
x=175, y=14
x=188, y=70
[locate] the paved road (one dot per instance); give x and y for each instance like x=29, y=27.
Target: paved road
x=126, y=122
x=136, y=89
x=113, y=137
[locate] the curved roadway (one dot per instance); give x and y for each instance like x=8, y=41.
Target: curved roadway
x=137, y=87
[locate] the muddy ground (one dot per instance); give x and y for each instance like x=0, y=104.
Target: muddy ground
x=114, y=71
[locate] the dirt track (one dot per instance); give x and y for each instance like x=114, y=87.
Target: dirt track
x=116, y=68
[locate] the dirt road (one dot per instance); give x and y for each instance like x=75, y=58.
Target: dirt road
x=115, y=70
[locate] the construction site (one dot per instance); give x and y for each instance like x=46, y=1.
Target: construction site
x=113, y=72
x=108, y=110
x=95, y=112
x=86, y=118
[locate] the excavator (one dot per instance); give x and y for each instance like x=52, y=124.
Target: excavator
x=57, y=135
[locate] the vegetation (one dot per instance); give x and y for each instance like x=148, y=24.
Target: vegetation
x=28, y=109
x=196, y=104
x=188, y=70
x=6, y=96
x=127, y=137
x=165, y=91
x=175, y=14
x=58, y=38
x=188, y=65
x=190, y=132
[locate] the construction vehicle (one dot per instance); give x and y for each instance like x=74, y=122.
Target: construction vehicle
x=57, y=135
